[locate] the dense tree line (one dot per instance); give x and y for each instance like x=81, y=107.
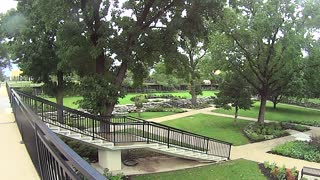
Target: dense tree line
x=269, y=45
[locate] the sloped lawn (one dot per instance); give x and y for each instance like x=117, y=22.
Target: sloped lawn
x=212, y=126
x=236, y=169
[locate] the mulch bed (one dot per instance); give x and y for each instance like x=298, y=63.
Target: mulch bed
x=266, y=172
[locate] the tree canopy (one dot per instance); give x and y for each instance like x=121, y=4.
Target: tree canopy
x=264, y=42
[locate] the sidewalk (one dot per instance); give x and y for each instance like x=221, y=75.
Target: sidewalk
x=15, y=162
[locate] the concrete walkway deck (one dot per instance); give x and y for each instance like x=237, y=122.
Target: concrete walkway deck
x=15, y=162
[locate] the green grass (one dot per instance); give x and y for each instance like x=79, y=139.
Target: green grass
x=69, y=101
x=212, y=126
x=150, y=115
x=314, y=100
x=236, y=169
x=284, y=113
x=24, y=84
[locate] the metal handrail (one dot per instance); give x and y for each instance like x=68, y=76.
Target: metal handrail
x=58, y=147
x=120, y=128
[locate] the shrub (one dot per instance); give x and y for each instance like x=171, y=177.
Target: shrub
x=161, y=109
x=315, y=141
x=299, y=150
x=296, y=127
x=110, y=176
x=87, y=152
x=280, y=173
x=259, y=132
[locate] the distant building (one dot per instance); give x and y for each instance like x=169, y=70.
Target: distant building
x=15, y=75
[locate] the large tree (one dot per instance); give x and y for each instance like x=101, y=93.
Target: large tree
x=118, y=37
x=263, y=41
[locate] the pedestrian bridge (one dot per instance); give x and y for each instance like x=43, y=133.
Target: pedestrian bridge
x=113, y=134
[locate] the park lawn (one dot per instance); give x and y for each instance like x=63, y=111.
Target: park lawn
x=236, y=169
x=69, y=101
x=283, y=112
x=314, y=100
x=221, y=128
x=150, y=115
x=24, y=84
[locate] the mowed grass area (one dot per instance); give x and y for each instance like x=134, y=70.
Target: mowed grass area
x=283, y=112
x=221, y=128
x=236, y=169
x=69, y=101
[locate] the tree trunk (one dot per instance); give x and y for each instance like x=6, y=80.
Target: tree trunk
x=193, y=93
x=236, y=115
x=262, y=110
x=59, y=97
x=275, y=104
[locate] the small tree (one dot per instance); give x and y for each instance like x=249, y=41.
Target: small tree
x=236, y=92
x=138, y=102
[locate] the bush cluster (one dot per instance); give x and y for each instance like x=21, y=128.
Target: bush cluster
x=259, y=132
x=87, y=152
x=296, y=127
x=299, y=150
x=281, y=173
x=161, y=109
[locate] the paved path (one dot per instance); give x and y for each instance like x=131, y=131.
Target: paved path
x=15, y=162
x=189, y=112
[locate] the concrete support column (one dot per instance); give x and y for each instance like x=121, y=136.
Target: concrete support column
x=110, y=159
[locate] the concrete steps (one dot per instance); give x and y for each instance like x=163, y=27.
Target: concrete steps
x=153, y=146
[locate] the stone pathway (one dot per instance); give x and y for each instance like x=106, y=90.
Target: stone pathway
x=15, y=162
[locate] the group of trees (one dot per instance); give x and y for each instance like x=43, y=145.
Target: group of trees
x=262, y=47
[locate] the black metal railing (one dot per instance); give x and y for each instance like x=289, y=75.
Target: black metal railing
x=123, y=129
x=52, y=158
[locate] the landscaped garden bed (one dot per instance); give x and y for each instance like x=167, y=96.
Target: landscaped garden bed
x=309, y=151
x=274, y=172
x=260, y=132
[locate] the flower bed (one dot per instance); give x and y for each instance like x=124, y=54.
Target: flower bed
x=274, y=172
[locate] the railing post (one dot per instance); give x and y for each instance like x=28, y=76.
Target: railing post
x=42, y=109
x=229, y=151
x=207, y=146
x=148, y=132
x=168, y=137
x=114, y=133
x=181, y=138
x=143, y=135
x=93, y=128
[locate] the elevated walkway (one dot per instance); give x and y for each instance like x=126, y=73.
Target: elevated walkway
x=15, y=162
x=113, y=134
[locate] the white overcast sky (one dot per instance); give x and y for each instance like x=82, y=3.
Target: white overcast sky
x=5, y=5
